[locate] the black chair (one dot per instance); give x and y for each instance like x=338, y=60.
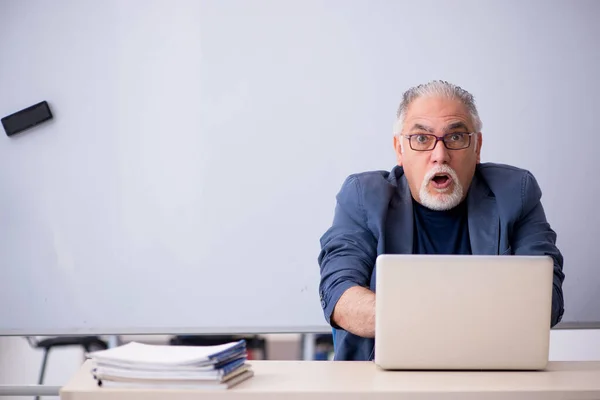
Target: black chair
x=324, y=346
x=87, y=343
x=252, y=342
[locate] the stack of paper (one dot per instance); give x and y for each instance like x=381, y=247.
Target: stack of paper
x=162, y=366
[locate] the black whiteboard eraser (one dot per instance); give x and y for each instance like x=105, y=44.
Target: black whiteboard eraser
x=26, y=118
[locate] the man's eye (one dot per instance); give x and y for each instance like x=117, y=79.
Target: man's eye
x=456, y=137
x=422, y=138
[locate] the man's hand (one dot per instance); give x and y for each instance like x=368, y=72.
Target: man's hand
x=355, y=312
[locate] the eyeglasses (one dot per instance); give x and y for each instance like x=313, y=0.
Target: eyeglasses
x=427, y=142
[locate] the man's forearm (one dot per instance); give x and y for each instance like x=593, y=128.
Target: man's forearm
x=355, y=312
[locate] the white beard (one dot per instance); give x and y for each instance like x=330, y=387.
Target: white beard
x=440, y=199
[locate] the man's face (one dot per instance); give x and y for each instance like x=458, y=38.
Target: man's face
x=439, y=178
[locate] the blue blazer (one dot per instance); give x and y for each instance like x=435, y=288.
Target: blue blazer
x=374, y=216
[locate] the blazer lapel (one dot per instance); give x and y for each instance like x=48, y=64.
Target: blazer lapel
x=483, y=220
x=399, y=232
x=484, y=223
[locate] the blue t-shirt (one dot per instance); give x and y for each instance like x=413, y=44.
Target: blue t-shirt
x=441, y=232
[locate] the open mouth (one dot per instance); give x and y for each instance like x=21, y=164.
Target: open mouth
x=441, y=181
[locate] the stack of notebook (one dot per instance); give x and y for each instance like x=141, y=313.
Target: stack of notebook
x=140, y=365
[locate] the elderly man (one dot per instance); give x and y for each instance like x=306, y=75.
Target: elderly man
x=439, y=200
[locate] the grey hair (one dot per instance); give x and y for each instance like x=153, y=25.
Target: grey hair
x=437, y=88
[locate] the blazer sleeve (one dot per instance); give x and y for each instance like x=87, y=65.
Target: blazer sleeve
x=348, y=248
x=533, y=236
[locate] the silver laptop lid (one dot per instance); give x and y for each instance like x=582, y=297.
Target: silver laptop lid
x=463, y=312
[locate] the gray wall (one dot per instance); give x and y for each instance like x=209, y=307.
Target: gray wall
x=197, y=146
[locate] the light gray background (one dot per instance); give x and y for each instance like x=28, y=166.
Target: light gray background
x=197, y=146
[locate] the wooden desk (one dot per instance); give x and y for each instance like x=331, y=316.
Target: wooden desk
x=329, y=380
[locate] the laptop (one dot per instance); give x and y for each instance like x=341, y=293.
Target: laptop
x=453, y=312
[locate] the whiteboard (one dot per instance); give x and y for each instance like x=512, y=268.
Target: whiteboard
x=197, y=147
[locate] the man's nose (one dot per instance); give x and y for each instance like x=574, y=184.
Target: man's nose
x=440, y=154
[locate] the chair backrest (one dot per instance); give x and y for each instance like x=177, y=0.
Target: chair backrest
x=333, y=338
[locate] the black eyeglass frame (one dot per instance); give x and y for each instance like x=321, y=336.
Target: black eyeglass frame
x=438, y=139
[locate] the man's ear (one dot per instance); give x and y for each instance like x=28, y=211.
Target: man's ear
x=398, y=149
x=478, y=148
